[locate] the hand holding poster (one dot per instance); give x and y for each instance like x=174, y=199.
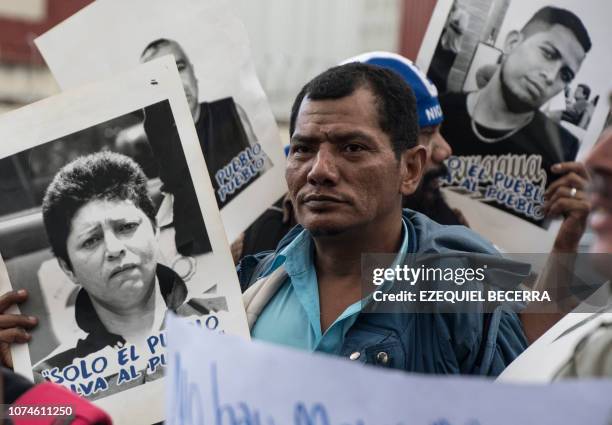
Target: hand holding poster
x=522, y=87
x=102, y=301
x=235, y=126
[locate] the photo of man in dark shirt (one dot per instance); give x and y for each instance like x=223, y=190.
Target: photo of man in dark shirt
x=233, y=156
x=504, y=146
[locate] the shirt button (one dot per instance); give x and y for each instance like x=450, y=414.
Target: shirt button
x=382, y=358
x=355, y=355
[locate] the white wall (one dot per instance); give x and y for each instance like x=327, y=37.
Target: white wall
x=293, y=40
x=27, y=10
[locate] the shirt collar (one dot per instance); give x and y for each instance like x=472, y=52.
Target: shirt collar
x=298, y=259
x=170, y=292
x=298, y=255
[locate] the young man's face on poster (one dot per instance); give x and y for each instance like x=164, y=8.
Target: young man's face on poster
x=538, y=66
x=112, y=248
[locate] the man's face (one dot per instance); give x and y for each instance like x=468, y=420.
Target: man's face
x=428, y=194
x=342, y=171
x=190, y=83
x=438, y=149
x=539, y=66
x=579, y=93
x=113, y=250
x=599, y=163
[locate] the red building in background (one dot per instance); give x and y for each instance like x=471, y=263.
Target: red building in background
x=19, y=29
x=415, y=18
x=24, y=78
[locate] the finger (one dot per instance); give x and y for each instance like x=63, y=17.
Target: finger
x=12, y=335
x=567, y=205
x=11, y=298
x=565, y=192
x=5, y=355
x=569, y=180
x=17, y=320
x=571, y=166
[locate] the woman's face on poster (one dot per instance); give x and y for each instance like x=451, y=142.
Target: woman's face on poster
x=112, y=247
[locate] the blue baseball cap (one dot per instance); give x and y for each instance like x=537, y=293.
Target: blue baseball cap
x=426, y=93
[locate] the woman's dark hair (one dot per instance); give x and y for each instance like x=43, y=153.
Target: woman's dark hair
x=100, y=176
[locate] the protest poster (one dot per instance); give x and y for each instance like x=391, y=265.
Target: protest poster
x=254, y=382
x=235, y=125
x=522, y=86
x=90, y=230
x=548, y=358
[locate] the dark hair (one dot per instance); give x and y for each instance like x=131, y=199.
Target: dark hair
x=156, y=44
x=99, y=176
x=549, y=16
x=395, y=101
x=586, y=90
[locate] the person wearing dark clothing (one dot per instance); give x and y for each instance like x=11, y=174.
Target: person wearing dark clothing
x=99, y=341
x=223, y=139
x=267, y=231
x=504, y=146
x=233, y=157
x=191, y=237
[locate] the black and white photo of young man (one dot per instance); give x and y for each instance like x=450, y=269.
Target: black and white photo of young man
x=504, y=146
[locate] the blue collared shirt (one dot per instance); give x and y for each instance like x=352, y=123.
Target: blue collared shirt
x=293, y=315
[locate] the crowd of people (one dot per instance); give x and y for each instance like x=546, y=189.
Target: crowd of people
x=368, y=143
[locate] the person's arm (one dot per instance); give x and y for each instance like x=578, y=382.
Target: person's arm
x=557, y=275
x=13, y=327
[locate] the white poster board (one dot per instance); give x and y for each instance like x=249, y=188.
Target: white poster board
x=121, y=250
x=235, y=125
x=499, y=173
x=543, y=360
x=252, y=382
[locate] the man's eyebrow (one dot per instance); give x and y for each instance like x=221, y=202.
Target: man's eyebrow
x=334, y=137
x=300, y=138
x=348, y=135
x=557, y=54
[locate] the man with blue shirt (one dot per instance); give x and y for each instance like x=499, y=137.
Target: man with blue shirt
x=267, y=231
x=354, y=155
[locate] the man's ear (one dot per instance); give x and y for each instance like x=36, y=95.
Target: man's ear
x=412, y=162
x=513, y=39
x=67, y=270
